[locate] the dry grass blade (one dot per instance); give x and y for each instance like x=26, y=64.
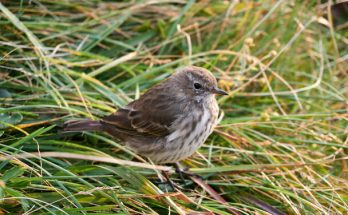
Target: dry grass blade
x=90, y=158
x=214, y=194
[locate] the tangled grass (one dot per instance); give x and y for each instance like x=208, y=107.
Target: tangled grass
x=281, y=146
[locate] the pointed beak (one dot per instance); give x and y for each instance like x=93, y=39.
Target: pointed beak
x=218, y=91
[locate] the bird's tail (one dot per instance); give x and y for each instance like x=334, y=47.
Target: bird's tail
x=82, y=125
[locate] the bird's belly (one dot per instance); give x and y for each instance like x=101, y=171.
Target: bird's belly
x=188, y=135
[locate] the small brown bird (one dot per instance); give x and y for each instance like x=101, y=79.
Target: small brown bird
x=169, y=122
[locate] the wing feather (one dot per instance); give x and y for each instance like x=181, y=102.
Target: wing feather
x=151, y=115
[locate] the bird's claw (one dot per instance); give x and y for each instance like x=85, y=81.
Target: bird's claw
x=186, y=172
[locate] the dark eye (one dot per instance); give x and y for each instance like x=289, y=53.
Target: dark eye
x=197, y=86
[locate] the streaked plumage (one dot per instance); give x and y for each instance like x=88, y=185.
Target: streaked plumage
x=167, y=123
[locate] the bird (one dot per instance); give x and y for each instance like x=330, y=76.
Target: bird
x=169, y=122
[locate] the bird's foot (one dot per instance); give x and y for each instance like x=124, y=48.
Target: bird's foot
x=187, y=173
x=168, y=184
x=184, y=172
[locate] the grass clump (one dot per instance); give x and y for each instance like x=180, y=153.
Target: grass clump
x=281, y=146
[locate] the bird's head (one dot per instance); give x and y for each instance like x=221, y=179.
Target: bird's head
x=196, y=83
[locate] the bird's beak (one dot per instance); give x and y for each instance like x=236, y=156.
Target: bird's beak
x=218, y=91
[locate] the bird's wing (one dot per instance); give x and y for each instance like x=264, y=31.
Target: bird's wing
x=151, y=115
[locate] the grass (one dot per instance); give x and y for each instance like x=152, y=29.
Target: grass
x=281, y=146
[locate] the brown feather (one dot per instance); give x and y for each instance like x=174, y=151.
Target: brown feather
x=151, y=115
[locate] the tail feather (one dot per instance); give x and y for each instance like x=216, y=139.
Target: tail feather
x=82, y=125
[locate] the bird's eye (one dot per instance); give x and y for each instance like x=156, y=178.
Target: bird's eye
x=197, y=86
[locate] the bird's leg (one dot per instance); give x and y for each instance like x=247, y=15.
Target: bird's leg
x=184, y=172
x=166, y=175
x=170, y=182
x=167, y=181
x=179, y=171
